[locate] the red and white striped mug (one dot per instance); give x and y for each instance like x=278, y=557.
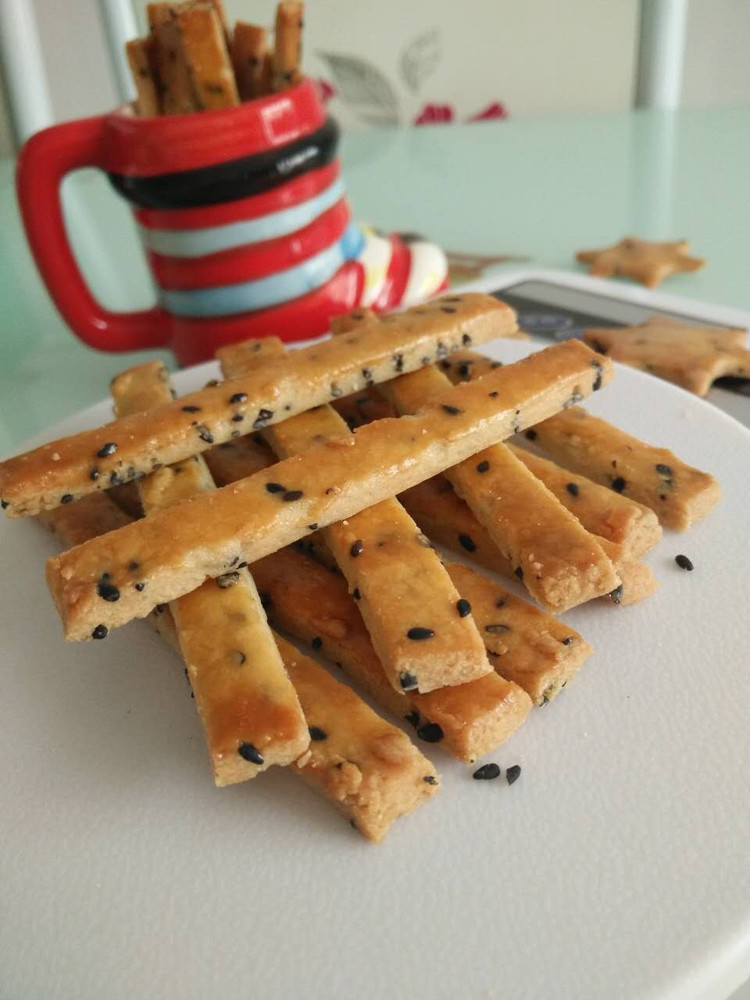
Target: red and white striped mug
x=244, y=219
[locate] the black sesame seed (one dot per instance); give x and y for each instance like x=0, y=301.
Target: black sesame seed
x=453, y=410
x=619, y=484
x=107, y=449
x=139, y=586
x=107, y=591
x=496, y=364
x=567, y=640
x=597, y=366
x=317, y=734
x=663, y=470
x=356, y=594
x=430, y=779
x=191, y=409
x=292, y=495
x=238, y=418
x=465, y=339
x=4, y=504
x=500, y=602
x=513, y=773
x=275, y=488
x=483, y=467
x=530, y=434
x=317, y=642
x=212, y=383
x=486, y=772
x=616, y=595
x=100, y=632
x=238, y=397
x=262, y=419
x=357, y=548
x=66, y=498
x=494, y=394
x=463, y=607
x=417, y=633
x=313, y=526
x=336, y=390
x=497, y=629
x=227, y=580
x=467, y=542
x=133, y=565
x=430, y=733
x=398, y=361
x=239, y=657
x=683, y=562
x=407, y=681
x=94, y=475
x=441, y=351
x=250, y=753
x=519, y=572
x=204, y=433
x=464, y=369
x=572, y=488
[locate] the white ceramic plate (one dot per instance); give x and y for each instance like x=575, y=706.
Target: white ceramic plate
x=616, y=868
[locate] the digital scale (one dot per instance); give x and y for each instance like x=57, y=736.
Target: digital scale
x=558, y=305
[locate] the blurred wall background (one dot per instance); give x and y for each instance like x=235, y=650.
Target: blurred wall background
x=402, y=60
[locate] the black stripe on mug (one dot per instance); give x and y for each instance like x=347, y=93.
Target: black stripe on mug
x=233, y=179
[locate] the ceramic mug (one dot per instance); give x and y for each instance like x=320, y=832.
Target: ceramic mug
x=243, y=217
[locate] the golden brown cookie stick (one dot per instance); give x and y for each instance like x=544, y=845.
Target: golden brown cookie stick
x=365, y=767
x=447, y=520
x=178, y=95
x=140, y=56
x=399, y=581
x=250, y=712
x=312, y=603
x=676, y=492
x=602, y=511
x=559, y=562
x=178, y=548
x=525, y=645
x=127, y=448
x=204, y=45
x=288, y=44
x=248, y=52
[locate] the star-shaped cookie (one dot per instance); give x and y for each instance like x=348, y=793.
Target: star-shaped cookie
x=644, y=261
x=690, y=356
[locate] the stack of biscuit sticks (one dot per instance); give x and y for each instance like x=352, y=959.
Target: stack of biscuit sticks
x=301, y=497
x=192, y=61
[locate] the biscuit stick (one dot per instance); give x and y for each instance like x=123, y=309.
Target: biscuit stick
x=365, y=767
x=140, y=56
x=602, y=511
x=678, y=494
x=310, y=602
x=559, y=562
x=178, y=95
x=249, y=709
x=526, y=646
x=205, y=48
x=249, y=44
x=177, y=549
x=288, y=44
x=446, y=519
x=133, y=446
x=397, y=582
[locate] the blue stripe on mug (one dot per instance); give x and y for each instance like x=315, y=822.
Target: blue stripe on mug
x=247, y=296
x=199, y=242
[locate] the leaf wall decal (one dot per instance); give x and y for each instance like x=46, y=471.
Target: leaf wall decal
x=363, y=88
x=420, y=58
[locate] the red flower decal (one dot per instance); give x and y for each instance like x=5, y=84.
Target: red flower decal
x=492, y=112
x=325, y=89
x=434, y=114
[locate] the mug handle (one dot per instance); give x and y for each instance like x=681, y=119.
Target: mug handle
x=44, y=161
